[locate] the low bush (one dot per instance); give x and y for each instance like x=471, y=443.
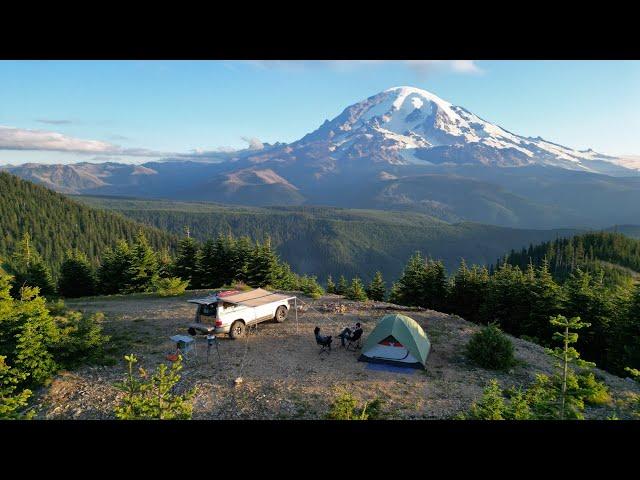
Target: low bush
x=310, y=286
x=490, y=348
x=81, y=339
x=171, y=286
x=356, y=291
x=596, y=392
x=153, y=397
x=498, y=404
x=345, y=407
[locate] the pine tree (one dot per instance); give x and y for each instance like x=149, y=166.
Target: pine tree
x=188, y=261
x=29, y=269
x=590, y=299
x=142, y=274
x=342, y=287
x=241, y=257
x=77, y=276
x=209, y=268
x=164, y=263
x=409, y=289
x=546, y=299
x=628, y=333
x=507, y=299
x=36, y=332
x=113, y=273
x=468, y=292
x=263, y=266
x=491, y=406
x=331, y=287
x=567, y=356
x=287, y=280
x=39, y=275
x=377, y=289
x=309, y=286
x=154, y=397
x=434, y=287
x=224, y=248
x=356, y=291
x=12, y=398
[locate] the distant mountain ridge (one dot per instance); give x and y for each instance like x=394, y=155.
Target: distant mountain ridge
x=401, y=149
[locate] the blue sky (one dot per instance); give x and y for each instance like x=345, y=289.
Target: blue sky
x=137, y=110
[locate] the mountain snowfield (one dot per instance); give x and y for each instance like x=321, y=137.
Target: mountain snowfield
x=403, y=149
x=413, y=126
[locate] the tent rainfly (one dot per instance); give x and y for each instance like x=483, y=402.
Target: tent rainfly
x=397, y=340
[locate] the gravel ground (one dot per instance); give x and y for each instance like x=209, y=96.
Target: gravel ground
x=283, y=375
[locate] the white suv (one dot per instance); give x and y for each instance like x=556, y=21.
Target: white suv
x=232, y=311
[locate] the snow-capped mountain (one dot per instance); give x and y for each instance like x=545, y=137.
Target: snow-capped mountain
x=407, y=125
x=401, y=149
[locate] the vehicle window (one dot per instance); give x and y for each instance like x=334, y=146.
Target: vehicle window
x=208, y=310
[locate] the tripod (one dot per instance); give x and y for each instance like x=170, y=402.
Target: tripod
x=211, y=340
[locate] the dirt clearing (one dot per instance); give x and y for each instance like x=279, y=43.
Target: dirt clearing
x=283, y=375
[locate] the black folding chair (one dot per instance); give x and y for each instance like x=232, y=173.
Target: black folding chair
x=325, y=343
x=355, y=341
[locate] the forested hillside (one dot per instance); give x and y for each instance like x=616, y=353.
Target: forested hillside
x=615, y=255
x=56, y=224
x=322, y=240
x=521, y=300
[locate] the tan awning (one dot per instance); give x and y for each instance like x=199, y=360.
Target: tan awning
x=255, y=298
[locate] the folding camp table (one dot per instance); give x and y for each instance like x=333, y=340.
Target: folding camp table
x=185, y=345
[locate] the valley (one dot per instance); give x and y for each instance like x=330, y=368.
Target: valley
x=322, y=240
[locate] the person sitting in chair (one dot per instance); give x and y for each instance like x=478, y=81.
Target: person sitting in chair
x=322, y=339
x=349, y=334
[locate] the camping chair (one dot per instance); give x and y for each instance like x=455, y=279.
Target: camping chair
x=324, y=342
x=355, y=342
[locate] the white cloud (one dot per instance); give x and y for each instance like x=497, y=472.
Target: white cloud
x=12, y=138
x=426, y=67
x=254, y=143
x=420, y=67
x=53, y=121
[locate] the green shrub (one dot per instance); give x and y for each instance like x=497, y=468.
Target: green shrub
x=171, y=286
x=153, y=398
x=374, y=409
x=80, y=338
x=77, y=276
x=37, y=339
x=345, y=407
x=498, y=404
x=356, y=291
x=12, y=398
x=595, y=393
x=310, y=286
x=490, y=348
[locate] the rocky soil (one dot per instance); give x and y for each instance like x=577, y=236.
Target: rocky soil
x=283, y=376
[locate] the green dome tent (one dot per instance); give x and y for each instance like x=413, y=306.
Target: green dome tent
x=397, y=340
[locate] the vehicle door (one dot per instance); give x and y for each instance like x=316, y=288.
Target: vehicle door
x=233, y=312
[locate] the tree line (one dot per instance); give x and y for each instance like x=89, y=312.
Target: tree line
x=57, y=224
x=520, y=302
x=615, y=254
x=132, y=267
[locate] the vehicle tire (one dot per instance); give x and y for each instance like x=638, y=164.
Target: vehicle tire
x=281, y=314
x=238, y=329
